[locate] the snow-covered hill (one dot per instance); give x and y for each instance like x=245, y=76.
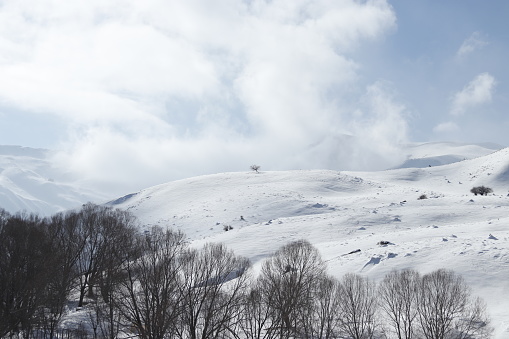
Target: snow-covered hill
x=443, y=153
x=29, y=181
x=340, y=212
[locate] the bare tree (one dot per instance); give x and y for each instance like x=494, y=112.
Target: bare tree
x=24, y=272
x=119, y=230
x=398, y=300
x=320, y=319
x=357, y=307
x=62, y=271
x=445, y=308
x=4, y=217
x=474, y=321
x=212, y=291
x=90, y=239
x=257, y=313
x=149, y=296
x=288, y=279
x=255, y=168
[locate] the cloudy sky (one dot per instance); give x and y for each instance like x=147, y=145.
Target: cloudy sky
x=143, y=92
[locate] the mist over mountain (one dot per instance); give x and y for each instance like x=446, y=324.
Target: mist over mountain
x=30, y=181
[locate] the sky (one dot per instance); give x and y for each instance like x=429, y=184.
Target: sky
x=136, y=93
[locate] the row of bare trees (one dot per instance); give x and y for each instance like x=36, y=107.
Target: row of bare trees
x=153, y=285
x=293, y=297
x=149, y=284
x=44, y=260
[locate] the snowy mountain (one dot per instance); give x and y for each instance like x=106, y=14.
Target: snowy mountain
x=29, y=181
x=343, y=212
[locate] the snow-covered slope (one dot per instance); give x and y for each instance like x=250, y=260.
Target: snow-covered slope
x=29, y=181
x=340, y=212
x=443, y=153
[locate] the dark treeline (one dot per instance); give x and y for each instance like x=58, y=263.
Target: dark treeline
x=153, y=285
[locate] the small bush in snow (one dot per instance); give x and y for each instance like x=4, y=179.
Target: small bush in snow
x=481, y=190
x=422, y=197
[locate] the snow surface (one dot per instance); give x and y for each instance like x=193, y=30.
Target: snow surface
x=342, y=212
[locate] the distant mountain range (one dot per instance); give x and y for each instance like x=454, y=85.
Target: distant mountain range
x=30, y=181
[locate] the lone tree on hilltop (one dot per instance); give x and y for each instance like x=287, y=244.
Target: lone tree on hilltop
x=255, y=168
x=481, y=190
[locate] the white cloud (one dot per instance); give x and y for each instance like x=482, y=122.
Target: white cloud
x=173, y=89
x=476, y=92
x=446, y=127
x=382, y=123
x=472, y=43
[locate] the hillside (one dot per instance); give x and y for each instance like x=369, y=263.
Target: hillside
x=29, y=181
x=340, y=212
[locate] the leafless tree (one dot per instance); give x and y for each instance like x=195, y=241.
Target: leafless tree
x=212, y=291
x=474, y=321
x=101, y=321
x=446, y=310
x=99, y=234
x=61, y=234
x=320, y=320
x=4, y=217
x=257, y=314
x=149, y=297
x=288, y=279
x=90, y=239
x=24, y=272
x=357, y=307
x=119, y=230
x=398, y=300
x=255, y=168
